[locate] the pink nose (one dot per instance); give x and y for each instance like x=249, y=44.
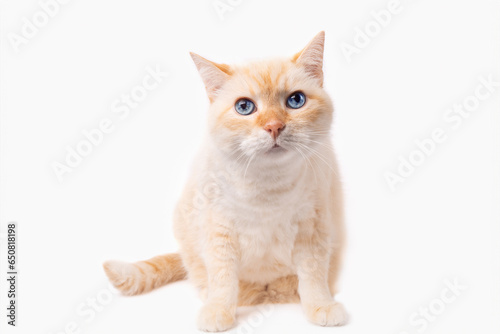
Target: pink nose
x=274, y=127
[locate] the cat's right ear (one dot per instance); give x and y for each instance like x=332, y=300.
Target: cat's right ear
x=214, y=75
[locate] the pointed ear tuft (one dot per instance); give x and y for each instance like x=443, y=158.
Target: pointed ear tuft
x=311, y=57
x=213, y=75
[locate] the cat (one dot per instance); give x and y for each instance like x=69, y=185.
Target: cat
x=261, y=217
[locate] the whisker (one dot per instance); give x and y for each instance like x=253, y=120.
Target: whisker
x=327, y=145
x=308, y=161
x=321, y=157
x=249, y=161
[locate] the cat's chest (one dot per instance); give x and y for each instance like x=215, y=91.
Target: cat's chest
x=273, y=201
x=266, y=248
x=266, y=226
x=265, y=213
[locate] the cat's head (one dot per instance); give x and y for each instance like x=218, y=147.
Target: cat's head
x=270, y=109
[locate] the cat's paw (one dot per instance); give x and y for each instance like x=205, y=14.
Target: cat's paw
x=215, y=318
x=329, y=314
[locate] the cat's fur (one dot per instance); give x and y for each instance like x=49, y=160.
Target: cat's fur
x=257, y=224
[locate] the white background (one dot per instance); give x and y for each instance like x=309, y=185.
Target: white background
x=441, y=223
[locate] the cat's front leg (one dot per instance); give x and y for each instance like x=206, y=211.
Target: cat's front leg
x=220, y=255
x=311, y=257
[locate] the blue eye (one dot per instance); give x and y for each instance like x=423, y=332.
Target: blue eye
x=296, y=100
x=244, y=107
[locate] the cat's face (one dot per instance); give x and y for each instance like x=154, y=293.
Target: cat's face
x=270, y=109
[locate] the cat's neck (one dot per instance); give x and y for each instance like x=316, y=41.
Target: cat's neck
x=261, y=168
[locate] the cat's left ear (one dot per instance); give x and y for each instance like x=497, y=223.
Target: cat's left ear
x=311, y=57
x=214, y=75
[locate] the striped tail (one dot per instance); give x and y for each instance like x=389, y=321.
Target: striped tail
x=144, y=276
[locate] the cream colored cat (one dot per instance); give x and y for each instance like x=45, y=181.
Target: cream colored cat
x=260, y=219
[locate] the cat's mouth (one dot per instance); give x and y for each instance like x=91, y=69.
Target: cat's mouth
x=276, y=148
